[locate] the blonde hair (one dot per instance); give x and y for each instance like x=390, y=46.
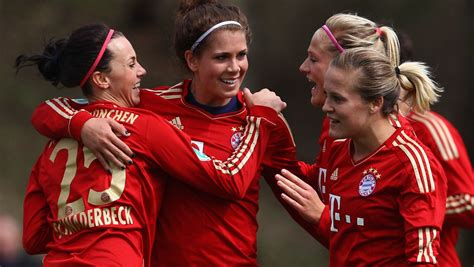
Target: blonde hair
x=353, y=31
x=378, y=78
x=415, y=78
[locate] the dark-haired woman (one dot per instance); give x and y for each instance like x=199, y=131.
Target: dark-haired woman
x=80, y=214
x=196, y=228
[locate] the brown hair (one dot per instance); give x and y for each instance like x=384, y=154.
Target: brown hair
x=195, y=17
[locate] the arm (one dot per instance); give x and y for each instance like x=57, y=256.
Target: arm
x=448, y=147
x=60, y=117
x=423, y=214
x=63, y=117
x=228, y=179
x=36, y=230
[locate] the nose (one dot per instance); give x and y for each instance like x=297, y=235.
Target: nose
x=326, y=106
x=304, y=66
x=233, y=66
x=141, y=71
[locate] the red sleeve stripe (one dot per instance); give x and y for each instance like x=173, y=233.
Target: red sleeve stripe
x=244, y=151
x=61, y=108
x=426, y=236
x=440, y=132
x=459, y=203
x=418, y=160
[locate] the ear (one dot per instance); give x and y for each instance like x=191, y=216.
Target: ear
x=191, y=60
x=376, y=105
x=99, y=79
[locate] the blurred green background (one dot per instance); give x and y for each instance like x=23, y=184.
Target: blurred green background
x=442, y=32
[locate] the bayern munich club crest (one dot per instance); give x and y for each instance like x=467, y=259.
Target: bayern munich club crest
x=368, y=182
x=236, y=137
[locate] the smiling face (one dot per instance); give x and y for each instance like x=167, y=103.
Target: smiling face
x=220, y=68
x=125, y=73
x=348, y=113
x=314, y=67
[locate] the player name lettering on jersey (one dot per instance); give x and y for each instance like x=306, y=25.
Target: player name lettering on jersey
x=115, y=215
x=116, y=114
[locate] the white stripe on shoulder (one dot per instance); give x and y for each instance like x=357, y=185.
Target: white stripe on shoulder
x=440, y=132
x=418, y=160
x=57, y=107
x=451, y=146
x=425, y=159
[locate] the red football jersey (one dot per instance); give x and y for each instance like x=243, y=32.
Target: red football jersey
x=196, y=228
x=386, y=209
x=448, y=147
x=79, y=214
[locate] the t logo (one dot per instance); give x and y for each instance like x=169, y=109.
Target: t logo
x=334, y=199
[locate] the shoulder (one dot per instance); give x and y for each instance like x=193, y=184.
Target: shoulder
x=416, y=160
x=434, y=128
x=167, y=92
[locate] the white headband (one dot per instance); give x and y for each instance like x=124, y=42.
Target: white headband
x=204, y=35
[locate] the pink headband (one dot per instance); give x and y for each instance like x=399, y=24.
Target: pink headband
x=378, y=31
x=98, y=58
x=333, y=39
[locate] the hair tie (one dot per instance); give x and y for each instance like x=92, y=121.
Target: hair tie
x=98, y=58
x=332, y=38
x=397, y=71
x=204, y=35
x=378, y=31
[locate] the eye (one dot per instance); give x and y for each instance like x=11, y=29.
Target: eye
x=221, y=57
x=242, y=55
x=338, y=99
x=312, y=59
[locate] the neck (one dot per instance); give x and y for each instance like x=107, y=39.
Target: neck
x=105, y=96
x=204, y=98
x=405, y=105
x=376, y=134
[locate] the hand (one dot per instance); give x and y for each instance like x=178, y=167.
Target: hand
x=301, y=196
x=264, y=97
x=100, y=135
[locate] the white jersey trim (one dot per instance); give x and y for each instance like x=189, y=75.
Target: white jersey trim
x=419, y=161
x=440, y=132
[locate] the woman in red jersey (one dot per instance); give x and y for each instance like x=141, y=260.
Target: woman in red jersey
x=197, y=228
x=340, y=31
x=386, y=191
x=82, y=215
x=444, y=140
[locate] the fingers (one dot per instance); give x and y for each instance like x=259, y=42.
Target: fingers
x=118, y=128
x=98, y=136
x=103, y=162
x=248, y=97
x=295, y=179
x=292, y=202
x=291, y=189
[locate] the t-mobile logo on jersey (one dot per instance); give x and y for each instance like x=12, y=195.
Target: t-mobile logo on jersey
x=335, y=206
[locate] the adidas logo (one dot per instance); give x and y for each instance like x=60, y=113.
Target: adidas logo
x=334, y=174
x=177, y=123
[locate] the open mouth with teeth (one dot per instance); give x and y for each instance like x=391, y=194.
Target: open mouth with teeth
x=229, y=81
x=137, y=85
